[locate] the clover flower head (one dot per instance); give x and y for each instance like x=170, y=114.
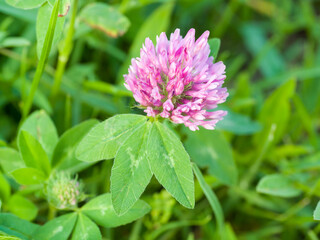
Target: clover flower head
x=178, y=80
x=64, y=192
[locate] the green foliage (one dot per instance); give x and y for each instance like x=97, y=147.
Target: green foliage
x=256, y=41
x=316, y=213
x=26, y=4
x=29, y=176
x=5, y=189
x=58, y=228
x=101, y=211
x=140, y=148
x=170, y=163
x=22, y=207
x=214, y=44
x=10, y=160
x=258, y=171
x=14, y=42
x=148, y=29
x=130, y=172
x=41, y=127
x=212, y=150
x=32, y=153
x=64, y=153
x=238, y=124
x=278, y=185
x=213, y=200
x=104, y=140
x=105, y=18
x=64, y=6
x=85, y=228
x=275, y=113
x=43, y=20
x=10, y=223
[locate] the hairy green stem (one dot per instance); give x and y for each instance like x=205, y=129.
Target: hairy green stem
x=52, y=212
x=64, y=52
x=43, y=59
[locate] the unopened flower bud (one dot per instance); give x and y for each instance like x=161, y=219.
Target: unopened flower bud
x=63, y=191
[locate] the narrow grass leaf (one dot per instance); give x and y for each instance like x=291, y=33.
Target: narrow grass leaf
x=307, y=163
x=44, y=46
x=44, y=25
x=213, y=200
x=275, y=113
x=255, y=39
x=64, y=6
x=40, y=100
x=174, y=225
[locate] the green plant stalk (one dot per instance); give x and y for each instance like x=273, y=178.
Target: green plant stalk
x=317, y=229
x=312, y=236
x=67, y=113
x=246, y=181
x=299, y=205
x=43, y=59
x=52, y=212
x=64, y=52
x=213, y=200
x=23, y=70
x=174, y=225
x=306, y=120
x=227, y=16
x=107, y=88
x=136, y=230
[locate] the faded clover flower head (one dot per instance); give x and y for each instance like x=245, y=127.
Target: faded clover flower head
x=178, y=80
x=64, y=192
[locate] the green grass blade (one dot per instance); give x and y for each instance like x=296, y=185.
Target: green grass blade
x=213, y=200
x=43, y=58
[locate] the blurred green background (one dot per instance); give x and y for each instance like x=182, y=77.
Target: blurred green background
x=269, y=139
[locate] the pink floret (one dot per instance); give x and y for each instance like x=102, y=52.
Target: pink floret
x=178, y=80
